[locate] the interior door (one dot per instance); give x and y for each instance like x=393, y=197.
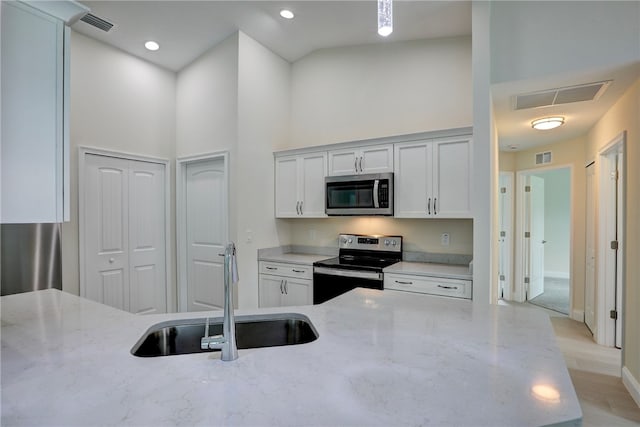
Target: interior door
x=105, y=233
x=206, y=224
x=147, y=270
x=590, y=261
x=536, y=240
x=505, y=194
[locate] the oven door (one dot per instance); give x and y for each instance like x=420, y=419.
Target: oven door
x=328, y=283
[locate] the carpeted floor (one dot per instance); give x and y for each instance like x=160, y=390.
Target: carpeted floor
x=555, y=296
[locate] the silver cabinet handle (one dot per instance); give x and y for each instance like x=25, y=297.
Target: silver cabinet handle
x=271, y=268
x=435, y=199
x=298, y=271
x=447, y=287
x=360, y=164
x=404, y=283
x=429, y=206
x=301, y=206
x=298, y=207
x=355, y=165
x=281, y=286
x=286, y=287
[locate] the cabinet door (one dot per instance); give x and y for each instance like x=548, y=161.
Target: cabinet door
x=287, y=200
x=298, y=292
x=376, y=159
x=34, y=153
x=343, y=162
x=412, y=180
x=313, y=171
x=270, y=290
x=452, y=178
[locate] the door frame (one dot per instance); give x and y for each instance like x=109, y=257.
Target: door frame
x=181, y=216
x=606, y=297
x=520, y=241
x=507, y=227
x=82, y=152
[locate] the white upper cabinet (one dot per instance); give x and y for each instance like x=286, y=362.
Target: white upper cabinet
x=372, y=159
x=300, y=185
x=35, y=119
x=432, y=178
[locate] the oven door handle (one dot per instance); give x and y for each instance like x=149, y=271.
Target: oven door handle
x=348, y=273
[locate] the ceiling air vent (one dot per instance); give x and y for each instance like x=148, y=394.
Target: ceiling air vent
x=563, y=95
x=543, y=158
x=97, y=22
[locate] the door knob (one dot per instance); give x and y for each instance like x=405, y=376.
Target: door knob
x=112, y=260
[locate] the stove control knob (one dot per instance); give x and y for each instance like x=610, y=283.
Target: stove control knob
x=350, y=240
x=386, y=242
x=344, y=240
x=393, y=242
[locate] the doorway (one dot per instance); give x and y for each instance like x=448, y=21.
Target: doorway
x=505, y=238
x=202, y=229
x=124, y=222
x=543, y=260
x=610, y=248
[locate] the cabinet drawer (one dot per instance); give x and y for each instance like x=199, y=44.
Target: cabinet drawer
x=428, y=285
x=287, y=270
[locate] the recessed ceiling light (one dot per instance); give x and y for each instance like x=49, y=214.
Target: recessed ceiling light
x=547, y=123
x=151, y=45
x=286, y=14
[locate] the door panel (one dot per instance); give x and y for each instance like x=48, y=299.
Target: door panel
x=147, y=238
x=206, y=234
x=105, y=230
x=270, y=290
x=298, y=292
x=590, y=261
x=412, y=180
x=343, y=162
x=536, y=241
x=377, y=159
x=286, y=187
x=314, y=168
x=451, y=185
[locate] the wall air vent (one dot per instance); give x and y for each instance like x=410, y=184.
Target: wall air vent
x=97, y=22
x=563, y=95
x=543, y=158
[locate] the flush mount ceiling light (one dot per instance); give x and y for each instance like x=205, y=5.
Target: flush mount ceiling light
x=151, y=45
x=547, y=123
x=286, y=14
x=385, y=17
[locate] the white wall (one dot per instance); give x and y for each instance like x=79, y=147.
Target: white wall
x=359, y=92
x=118, y=102
x=263, y=124
x=547, y=32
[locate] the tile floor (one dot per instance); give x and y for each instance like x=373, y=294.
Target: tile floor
x=595, y=372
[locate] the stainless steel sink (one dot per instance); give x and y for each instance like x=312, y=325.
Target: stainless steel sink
x=183, y=336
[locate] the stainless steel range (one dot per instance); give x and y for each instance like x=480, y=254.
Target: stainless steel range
x=359, y=264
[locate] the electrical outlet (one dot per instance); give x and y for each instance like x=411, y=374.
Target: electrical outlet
x=249, y=234
x=444, y=239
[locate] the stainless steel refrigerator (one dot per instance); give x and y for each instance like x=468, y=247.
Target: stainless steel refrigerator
x=30, y=257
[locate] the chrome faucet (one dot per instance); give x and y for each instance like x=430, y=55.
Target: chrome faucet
x=227, y=341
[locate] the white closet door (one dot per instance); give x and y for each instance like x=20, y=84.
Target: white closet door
x=147, y=276
x=206, y=234
x=106, y=242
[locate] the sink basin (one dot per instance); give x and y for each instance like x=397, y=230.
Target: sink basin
x=183, y=336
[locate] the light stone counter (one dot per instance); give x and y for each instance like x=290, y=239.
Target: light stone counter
x=447, y=271
x=291, y=258
x=382, y=358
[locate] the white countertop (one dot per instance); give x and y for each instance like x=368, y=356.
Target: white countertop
x=382, y=358
x=291, y=258
x=448, y=271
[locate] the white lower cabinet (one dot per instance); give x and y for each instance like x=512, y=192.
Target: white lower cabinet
x=283, y=284
x=428, y=285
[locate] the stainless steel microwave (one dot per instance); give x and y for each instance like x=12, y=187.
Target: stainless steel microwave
x=367, y=194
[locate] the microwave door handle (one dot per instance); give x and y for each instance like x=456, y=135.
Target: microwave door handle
x=376, y=204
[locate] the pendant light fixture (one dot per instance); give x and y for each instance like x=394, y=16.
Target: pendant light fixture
x=385, y=17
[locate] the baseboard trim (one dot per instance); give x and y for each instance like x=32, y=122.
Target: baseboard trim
x=556, y=274
x=632, y=385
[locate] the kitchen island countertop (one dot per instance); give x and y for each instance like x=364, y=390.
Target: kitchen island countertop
x=382, y=358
